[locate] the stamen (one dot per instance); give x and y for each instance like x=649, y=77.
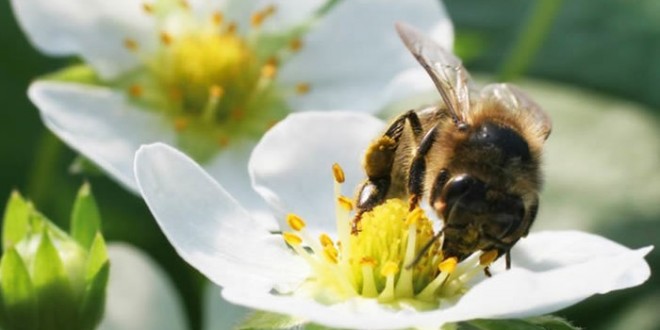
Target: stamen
x=165, y=38
x=135, y=90
x=269, y=70
x=338, y=173
x=369, y=289
x=325, y=240
x=331, y=253
x=345, y=203
x=414, y=216
x=211, y=107
x=148, y=8
x=223, y=141
x=130, y=44
x=295, y=44
x=292, y=239
x=295, y=222
x=217, y=18
x=302, y=88
x=184, y=4
x=389, y=270
x=232, y=27
x=180, y=124
x=447, y=267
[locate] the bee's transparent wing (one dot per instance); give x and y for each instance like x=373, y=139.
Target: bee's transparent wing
x=513, y=99
x=446, y=70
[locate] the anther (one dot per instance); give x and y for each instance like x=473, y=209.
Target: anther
x=302, y=88
x=165, y=38
x=295, y=44
x=345, y=203
x=232, y=27
x=325, y=240
x=390, y=268
x=448, y=265
x=488, y=257
x=184, y=4
x=130, y=44
x=148, y=8
x=217, y=18
x=295, y=222
x=135, y=90
x=269, y=70
x=338, y=173
x=257, y=19
x=216, y=91
x=414, y=216
x=223, y=141
x=292, y=239
x=331, y=253
x=180, y=124
x=369, y=261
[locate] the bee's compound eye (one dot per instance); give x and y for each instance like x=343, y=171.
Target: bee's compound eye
x=456, y=188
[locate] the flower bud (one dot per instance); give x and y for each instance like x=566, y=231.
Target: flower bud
x=50, y=279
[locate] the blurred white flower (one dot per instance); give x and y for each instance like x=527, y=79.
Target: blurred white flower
x=211, y=76
x=361, y=282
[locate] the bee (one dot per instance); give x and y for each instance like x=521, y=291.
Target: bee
x=476, y=157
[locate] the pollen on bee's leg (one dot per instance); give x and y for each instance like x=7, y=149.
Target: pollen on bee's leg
x=488, y=257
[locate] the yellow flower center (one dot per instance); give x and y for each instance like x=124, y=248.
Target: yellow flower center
x=215, y=83
x=385, y=259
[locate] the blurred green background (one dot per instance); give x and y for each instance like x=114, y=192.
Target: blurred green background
x=594, y=65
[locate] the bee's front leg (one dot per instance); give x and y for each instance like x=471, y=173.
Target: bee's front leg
x=418, y=168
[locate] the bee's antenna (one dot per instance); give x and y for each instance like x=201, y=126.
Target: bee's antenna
x=425, y=249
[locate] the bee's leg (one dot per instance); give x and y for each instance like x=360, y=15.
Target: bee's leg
x=507, y=258
x=418, y=168
x=487, y=271
x=378, y=162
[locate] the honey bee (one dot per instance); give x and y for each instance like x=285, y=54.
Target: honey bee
x=476, y=157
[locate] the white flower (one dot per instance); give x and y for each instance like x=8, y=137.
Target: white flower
x=324, y=283
x=203, y=62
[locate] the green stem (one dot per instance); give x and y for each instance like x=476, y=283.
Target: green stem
x=45, y=159
x=529, y=41
x=329, y=4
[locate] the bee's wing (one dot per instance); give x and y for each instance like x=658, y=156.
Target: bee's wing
x=513, y=99
x=450, y=77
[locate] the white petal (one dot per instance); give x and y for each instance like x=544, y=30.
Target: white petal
x=580, y=266
x=139, y=294
x=207, y=227
x=354, y=52
x=551, y=271
x=219, y=313
x=92, y=29
x=100, y=124
x=291, y=167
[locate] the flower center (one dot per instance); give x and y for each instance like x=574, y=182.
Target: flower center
x=214, y=83
x=389, y=257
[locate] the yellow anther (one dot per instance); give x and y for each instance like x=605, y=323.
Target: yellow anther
x=269, y=70
x=338, y=173
x=302, y=88
x=331, y=253
x=216, y=91
x=257, y=19
x=184, y=4
x=295, y=222
x=368, y=261
x=181, y=123
x=237, y=114
x=414, y=216
x=390, y=268
x=270, y=10
x=295, y=44
x=448, y=265
x=165, y=38
x=232, y=27
x=130, y=44
x=148, y=8
x=345, y=203
x=135, y=90
x=217, y=18
x=325, y=240
x=223, y=141
x=488, y=257
x=175, y=94
x=292, y=239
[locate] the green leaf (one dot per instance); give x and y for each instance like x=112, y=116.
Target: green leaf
x=97, y=258
x=269, y=321
x=536, y=323
x=57, y=305
x=85, y=217
x=93, y=304
x=19, y=303
x=16, y=220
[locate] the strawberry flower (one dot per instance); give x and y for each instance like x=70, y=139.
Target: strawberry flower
x=311, y=267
